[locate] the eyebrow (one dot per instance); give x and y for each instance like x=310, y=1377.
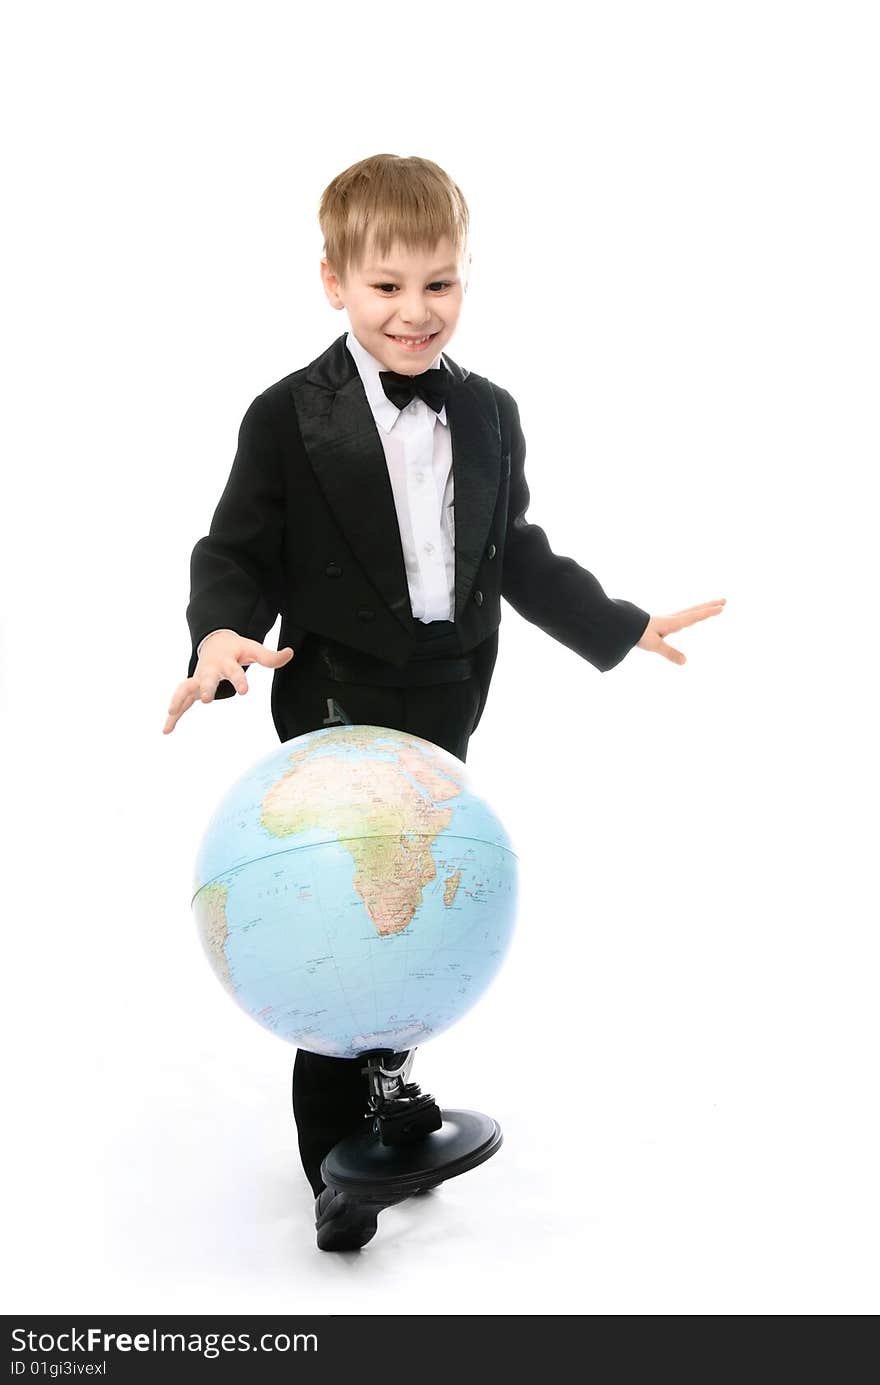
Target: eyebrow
x=383, y=269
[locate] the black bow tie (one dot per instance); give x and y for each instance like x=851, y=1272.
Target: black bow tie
x=431, y=385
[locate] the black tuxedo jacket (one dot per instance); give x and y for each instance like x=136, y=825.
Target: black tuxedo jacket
x=306, y=526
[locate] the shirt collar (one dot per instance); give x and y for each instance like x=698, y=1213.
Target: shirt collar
x=384, y=411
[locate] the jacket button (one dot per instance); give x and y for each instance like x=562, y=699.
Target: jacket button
x=478, y=597
x=333, y=570
x=365, y=613
x=490, y=551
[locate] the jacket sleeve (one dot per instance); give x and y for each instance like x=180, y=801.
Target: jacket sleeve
x=554, y=592
x=236, y=570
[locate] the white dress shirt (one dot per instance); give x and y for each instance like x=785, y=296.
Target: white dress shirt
x=418, y=453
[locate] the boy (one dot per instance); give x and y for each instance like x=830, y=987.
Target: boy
x=377, y=500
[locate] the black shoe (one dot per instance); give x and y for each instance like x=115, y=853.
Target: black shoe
x=346, y=1222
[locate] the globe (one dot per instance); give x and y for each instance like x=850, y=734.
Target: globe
x=353, y=892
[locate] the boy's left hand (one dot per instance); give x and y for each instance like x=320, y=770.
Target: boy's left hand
x=658, y=626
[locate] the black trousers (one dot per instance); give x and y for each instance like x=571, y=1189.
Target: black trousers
x=330, y=1094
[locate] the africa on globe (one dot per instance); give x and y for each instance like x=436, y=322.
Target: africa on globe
x=353, y=892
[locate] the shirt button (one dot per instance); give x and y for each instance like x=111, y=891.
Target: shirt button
x=429, y=548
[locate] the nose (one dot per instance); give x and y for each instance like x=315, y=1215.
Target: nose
x=415, y=312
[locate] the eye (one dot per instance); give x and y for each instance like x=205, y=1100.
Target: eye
x=438, y=284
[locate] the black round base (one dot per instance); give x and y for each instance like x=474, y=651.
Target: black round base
x=362, y=1164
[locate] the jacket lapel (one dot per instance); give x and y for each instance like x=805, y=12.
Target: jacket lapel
x=345, y=451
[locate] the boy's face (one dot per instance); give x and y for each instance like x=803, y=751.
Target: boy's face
x=407, y=293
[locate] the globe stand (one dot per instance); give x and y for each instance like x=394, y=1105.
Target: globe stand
x=409, y=1144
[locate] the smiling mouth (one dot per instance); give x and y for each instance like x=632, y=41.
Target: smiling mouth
x=412, y=341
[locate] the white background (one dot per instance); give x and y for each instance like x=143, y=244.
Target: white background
x=675, y=272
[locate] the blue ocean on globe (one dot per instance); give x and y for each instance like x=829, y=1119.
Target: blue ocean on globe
x=352, y=891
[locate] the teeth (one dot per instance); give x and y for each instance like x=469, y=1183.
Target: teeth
x=413, y=341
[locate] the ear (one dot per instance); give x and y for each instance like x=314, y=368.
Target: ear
x=331, y=284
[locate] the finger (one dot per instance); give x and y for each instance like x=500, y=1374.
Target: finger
x=231, y=671
x=668, y=651
x=184, y=690
x=191, y=697
x=702, y=613
x=236, y=676
x=269, y=658
x=667, y=624
x=180, y=693
x=719, y=601
x=176, y=711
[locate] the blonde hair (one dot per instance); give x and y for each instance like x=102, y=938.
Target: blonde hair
x=389, y=199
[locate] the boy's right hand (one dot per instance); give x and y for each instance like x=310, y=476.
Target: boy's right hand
x=224, y=655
